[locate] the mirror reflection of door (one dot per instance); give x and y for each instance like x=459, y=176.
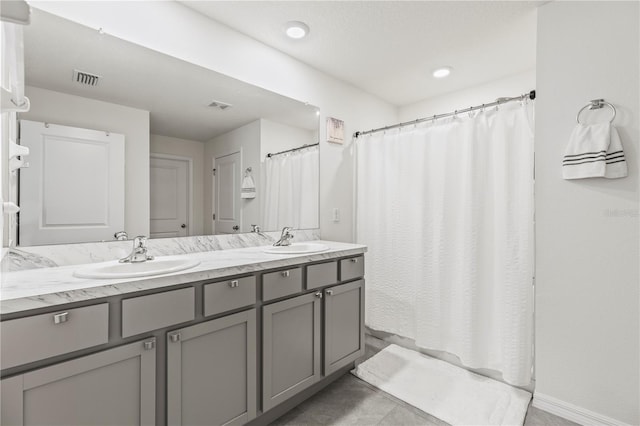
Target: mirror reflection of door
x=74, y=188
x=170, y=200
x=227, y=194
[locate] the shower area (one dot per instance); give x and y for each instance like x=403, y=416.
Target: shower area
x=445, y=206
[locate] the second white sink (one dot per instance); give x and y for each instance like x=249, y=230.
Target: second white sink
x=297, y=248
x=115, y=269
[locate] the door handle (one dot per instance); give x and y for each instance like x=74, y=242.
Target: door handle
x=184, y=225
x=235, y=228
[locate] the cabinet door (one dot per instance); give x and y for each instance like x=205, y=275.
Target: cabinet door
x=211, y=372
x=344, y=325
x=291, y=347
x=113, y=387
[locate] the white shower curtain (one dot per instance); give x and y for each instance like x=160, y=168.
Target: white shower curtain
x=446, y=210
x=291, y=190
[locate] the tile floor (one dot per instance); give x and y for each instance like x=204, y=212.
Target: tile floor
x=351, y=401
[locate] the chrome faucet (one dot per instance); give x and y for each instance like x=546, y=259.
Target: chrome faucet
x=139, y=252
x=285, y=238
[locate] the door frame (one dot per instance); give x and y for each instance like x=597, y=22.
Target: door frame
x=213, y=188
x=189, y=162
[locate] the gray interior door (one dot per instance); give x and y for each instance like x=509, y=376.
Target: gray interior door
x=291, y=347
x=113, y=387
x=210, y=381
x=343, y=329
x=170, y=199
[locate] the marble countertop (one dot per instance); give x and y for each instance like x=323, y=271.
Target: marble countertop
x=22, y=291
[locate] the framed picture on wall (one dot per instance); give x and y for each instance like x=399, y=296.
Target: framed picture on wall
x=335, y=130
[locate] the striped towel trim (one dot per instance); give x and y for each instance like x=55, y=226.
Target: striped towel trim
x=593, y=157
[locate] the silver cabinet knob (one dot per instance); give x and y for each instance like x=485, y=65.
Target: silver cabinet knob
x=175, y=337
x=150, y=344
x=329, y=292
x=234, y=283
x=285, y=274
x=61, y=317
x=354, y=260
x=319, y=295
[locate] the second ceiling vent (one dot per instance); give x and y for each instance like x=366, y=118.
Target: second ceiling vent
x=85, y=78
x=220, y=105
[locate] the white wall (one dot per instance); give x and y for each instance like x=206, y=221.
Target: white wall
x=195, y=151
x=198, y=39
x=506, y=87
x=587, y=232
x=69, y=110
x=276, y=137
x=246, y=140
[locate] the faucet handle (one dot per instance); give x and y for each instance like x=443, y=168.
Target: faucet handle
x=140, y=241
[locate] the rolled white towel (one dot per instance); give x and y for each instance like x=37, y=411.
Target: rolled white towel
x=594, y=150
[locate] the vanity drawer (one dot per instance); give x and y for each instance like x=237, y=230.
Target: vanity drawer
x=146, y=313
x=38, y=337
x=281, y=283
x=322, y=274
x=352, y=268
x=227, y=295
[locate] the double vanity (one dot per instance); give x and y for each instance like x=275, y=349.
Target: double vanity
x=240, y=336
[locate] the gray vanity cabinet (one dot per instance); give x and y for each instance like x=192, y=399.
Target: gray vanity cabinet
x=290, y=347
x=343, y=325
x=211, y=372
x=112, y=387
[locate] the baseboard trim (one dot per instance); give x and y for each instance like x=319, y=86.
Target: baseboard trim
x=573, y=412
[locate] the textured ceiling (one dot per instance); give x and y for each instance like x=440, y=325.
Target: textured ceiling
x=389, y=48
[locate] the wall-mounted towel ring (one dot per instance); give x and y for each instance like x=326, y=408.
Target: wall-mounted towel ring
x=597, y=104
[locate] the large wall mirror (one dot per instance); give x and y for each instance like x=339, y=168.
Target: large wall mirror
x=123, y=138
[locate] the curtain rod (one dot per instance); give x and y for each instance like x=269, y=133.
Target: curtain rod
x=531, y=95
x=292, y=149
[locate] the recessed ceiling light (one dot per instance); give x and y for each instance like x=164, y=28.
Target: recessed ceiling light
x=296, y=29
x=442, y=72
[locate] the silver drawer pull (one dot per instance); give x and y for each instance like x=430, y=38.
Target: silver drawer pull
x=149, y=345
x=354, y=260
x=329, y=292
x=285, y=273
x=233, y=283
x=319, y=295
x=61, y=317
x=175, y=337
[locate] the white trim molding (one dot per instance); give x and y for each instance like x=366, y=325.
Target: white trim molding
x=573, y=412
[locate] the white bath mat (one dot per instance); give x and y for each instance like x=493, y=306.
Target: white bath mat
x=445, y=391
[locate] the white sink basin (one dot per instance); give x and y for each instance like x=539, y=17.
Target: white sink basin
x=297, y=248
x=115, y=269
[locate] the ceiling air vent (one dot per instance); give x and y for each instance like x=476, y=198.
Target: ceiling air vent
x=220, y=105
x=86, y=78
